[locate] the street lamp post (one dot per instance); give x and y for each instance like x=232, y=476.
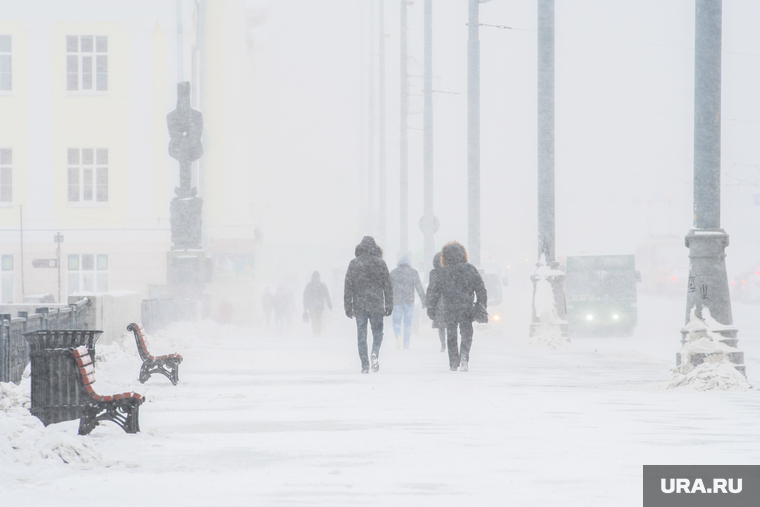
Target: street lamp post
x=547, y=267
x=429, y=220
x=381, y=125
x=707, y=292
x=371, y=140
x=403, y=140
x=473, y=132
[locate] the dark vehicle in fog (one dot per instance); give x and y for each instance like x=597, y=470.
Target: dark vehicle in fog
x=600, y=292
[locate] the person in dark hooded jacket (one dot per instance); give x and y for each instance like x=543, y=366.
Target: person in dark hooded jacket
x=368, y=296
x=405, y=280
x=438, y=310
x=315, y=295
x=458, y=284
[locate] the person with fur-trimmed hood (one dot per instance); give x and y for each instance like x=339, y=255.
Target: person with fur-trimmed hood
x=368, y=296
x=457, y=285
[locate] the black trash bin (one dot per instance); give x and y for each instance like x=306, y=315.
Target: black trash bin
x=55, y=392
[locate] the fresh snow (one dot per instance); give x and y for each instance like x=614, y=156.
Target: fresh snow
x=262, y=420
x=717, y=371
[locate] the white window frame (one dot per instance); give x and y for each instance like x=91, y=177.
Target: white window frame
x=6, y=55
x=87, y=273
x=88, y=180
x=87, y=64
x=6, y=177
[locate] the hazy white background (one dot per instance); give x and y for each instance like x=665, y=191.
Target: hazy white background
x=624, y=124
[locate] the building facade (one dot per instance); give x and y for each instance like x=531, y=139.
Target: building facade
x=85, y=87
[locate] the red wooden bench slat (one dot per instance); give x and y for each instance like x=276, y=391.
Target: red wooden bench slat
x=86, y=372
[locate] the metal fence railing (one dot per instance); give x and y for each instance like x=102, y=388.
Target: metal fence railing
x=14, y=348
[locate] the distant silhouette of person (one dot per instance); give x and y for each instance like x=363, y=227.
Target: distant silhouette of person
x=283, y=309
x=315, y=296
x=225, y=311
x=405, y=280
x=437, y=312
x=267, y=303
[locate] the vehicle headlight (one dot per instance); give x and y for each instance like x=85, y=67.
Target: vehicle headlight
x=616, y=316
x=589, y=317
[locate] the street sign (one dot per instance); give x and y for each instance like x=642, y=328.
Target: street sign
x=44, y=263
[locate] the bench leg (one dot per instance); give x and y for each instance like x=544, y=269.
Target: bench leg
x=88, y=421
x=125, y=413
x=144, y=372
x=169, y=370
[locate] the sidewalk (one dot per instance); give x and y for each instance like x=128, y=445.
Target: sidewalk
x=262, y=421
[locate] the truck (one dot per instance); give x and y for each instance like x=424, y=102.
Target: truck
x=600, y=293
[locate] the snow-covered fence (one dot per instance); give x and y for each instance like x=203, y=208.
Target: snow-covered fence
x=156, y=314
x=14, y=349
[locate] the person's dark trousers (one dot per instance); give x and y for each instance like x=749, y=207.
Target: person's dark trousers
x=442, y=336
x=456, y=354
x=376, y=323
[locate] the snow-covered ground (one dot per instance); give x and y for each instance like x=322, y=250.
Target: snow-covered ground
x=260, y=420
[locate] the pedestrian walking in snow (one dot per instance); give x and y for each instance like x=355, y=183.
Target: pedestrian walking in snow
x=283, y=305
x=405, y=280
x=437, y=311
x=462, y=290
x=267, y=303
x=368, y=296
x=315, y=296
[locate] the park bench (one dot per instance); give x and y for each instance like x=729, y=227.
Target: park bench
x=167, y=365
x=123, y=409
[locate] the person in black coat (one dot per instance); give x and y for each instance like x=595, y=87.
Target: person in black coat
x=458, y=284
x=368, y=295
x=438, y=311
x=315, y=295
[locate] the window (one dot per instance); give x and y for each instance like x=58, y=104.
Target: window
x=6, y=279
x=87, y=175
x=6, y=74
x=6, y=176
x=86, y=63
x=87, y=273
